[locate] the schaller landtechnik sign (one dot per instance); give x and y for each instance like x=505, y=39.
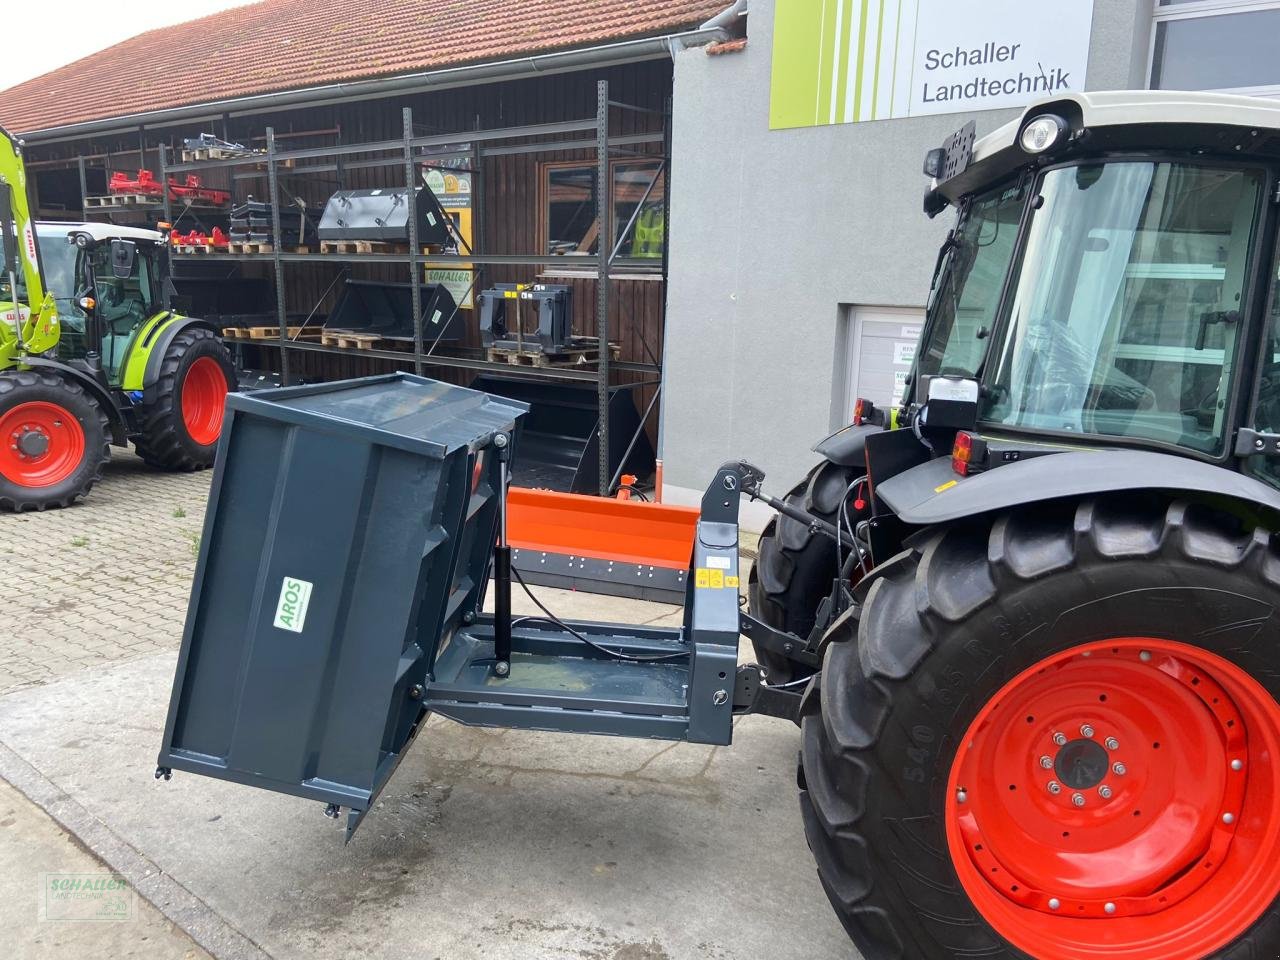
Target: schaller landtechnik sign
x=846, y=61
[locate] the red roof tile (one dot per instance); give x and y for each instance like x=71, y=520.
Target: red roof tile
x=288, y=44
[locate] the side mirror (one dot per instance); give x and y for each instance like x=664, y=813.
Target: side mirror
x=123, y=255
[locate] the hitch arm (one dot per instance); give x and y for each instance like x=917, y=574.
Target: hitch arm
x=753, y=477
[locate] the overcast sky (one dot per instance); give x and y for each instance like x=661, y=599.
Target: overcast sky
x=42, y=35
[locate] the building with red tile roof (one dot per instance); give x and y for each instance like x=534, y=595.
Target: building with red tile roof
x=281, y=45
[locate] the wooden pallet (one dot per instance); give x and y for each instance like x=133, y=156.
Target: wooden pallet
x=310, y=334
x=352, y=341
x=251, y=248
x=365, y=246
x=197, y=248
x=584, y=350
x=122, y=200
x=214, y=153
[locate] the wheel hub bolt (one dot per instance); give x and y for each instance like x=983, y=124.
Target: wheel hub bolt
x=1060, y=739
x=1046, y=762
x=1110, y=908
x=1078, y=799
x=1145, y=656
x=1228, y=818
x=1054, y=903
x=1113, y=744
x=1055, y=787
x=1104, y=792
x=1086, y=731
x=962, y=797
x=1237, y=765
x=1119, y=769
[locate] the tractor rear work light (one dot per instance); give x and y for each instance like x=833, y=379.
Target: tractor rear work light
x=968, y=454
x=1043, y=133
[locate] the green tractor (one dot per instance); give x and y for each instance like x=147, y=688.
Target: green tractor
x=90, y=354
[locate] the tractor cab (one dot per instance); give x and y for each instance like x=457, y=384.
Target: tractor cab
x=1109, y=277
x=107, y=282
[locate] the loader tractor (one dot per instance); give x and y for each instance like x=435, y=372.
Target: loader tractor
x=1028, y=620
x=91, y=355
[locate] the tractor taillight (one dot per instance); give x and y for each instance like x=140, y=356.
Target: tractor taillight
x=862, y=410
x=966, y=454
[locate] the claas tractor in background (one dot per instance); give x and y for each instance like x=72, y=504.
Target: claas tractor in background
x=1028, y=619
x=90, y=354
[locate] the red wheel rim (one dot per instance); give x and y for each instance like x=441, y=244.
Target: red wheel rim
x=1121, y=800
x=204, y=390
x=43, y=444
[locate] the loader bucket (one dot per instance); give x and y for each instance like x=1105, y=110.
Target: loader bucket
x=600, y=545
x=302, y=667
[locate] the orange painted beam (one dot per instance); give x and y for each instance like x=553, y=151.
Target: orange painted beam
x=627, y=531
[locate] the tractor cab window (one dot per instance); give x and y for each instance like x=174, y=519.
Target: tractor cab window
x=966, y=290
x=1266, y=418
x=123, y=304
x=1125, y=318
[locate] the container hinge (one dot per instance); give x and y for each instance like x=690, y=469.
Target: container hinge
x=1256, y=443
x=752, y=695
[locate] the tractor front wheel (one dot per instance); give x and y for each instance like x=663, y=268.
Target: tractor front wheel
x=182, y=416
x=1055, y=734
x=53, y=441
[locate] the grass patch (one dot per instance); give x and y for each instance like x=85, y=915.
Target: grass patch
x=179, y=513
x=79, y=541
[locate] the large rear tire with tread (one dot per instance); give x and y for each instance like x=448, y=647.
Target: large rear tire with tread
x=182, y=417
x=796, y=567
x=943, y=817
x=53, y=441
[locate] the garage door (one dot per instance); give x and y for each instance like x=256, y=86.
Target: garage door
x=882, y=348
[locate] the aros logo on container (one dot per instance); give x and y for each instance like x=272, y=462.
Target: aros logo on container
x=291, y=608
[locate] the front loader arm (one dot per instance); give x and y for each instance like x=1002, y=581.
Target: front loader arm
x=32, y=326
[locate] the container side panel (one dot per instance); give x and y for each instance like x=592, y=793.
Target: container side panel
x=230, y=588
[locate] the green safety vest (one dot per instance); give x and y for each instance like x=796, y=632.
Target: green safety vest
x=650, y=228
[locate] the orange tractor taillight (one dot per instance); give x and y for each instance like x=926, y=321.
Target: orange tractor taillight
x=967, y=454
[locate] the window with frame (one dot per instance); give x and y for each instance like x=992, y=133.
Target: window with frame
x=568, y=217
x=1222, y=45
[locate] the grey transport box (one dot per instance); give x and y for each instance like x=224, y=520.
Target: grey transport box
x=337, y=601
x=349, y=528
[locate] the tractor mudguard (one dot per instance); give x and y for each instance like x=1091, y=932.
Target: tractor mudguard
x=934, y=493
x=101, y=395
x=147, y=350
x=847, y=446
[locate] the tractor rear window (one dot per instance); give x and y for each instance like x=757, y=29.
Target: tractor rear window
x=966, y=294
x=1125, y=317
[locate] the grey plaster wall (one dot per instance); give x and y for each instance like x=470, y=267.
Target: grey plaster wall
x=773, y=230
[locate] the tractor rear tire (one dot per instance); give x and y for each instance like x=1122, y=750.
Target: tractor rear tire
x=182, y=418
x=1134, y=631
x=796, y=567
x=53, y=441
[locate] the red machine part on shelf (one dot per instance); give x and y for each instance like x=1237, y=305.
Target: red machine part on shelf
x=196, y=239
x=190, y=189
x=145, y=184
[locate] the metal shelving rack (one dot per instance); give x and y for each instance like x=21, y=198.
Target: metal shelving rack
x=484, y=144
